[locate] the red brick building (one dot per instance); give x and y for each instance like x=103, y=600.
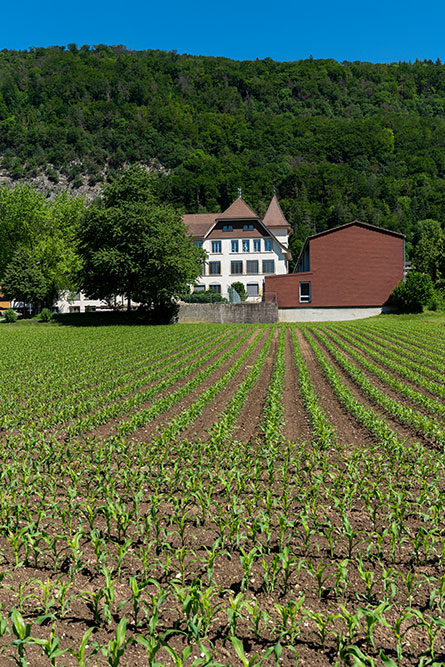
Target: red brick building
x=355, y=265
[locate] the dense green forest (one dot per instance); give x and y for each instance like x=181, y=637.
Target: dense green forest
x=339, y=141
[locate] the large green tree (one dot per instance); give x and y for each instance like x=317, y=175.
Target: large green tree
x=46, y=229
x=132, y=244
x=23, y=279
x=429, y=252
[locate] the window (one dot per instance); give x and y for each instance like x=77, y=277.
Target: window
x=268, y=266
x=199, y=288
x=252, y=289
x=305, y=292
x=215, y=287
x=214, y=268
x=267, y=245
x=216, y=246
x=227, y=228
x=235, y=246
x=252, y=266
x=304, y=264
x=257, y=245
x=74, y=309
x=247, y=227
x=246, y=245
x=198, y=243
x=236, y=267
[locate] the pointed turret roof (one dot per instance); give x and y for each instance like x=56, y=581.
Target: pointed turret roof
x=239, y=210
x=274, y=216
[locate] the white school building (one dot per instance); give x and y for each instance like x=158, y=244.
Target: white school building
x=241, y=247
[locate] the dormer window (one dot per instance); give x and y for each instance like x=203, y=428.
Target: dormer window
x=247, y=228
x=227, y=228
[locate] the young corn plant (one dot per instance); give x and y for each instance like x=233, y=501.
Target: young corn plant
x=373, y=617
x=115, y=648
x=289, y=620
x=256, y=660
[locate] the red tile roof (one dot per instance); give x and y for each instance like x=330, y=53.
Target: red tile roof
x=239, y=210
x=274, y=216
x=200, y=223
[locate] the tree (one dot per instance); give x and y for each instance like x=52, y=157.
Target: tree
x=24, y=213
x=240, y=290
x=429, y=253
x=23, y=279
x=131, y=244
x=46, y=229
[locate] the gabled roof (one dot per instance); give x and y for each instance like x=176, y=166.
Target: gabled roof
x=274, y=215
x=243, y=207
x=239, y=210
x=356, y=223
x=201, y=224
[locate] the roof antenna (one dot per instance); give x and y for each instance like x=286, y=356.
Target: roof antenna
x=239, y=193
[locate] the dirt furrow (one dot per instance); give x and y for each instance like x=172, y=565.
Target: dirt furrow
x=349, y=431
x=155, y=426
x=248, y=422
x=386, y=388
x=405, y=433
x=104, y=430
x=297, y=427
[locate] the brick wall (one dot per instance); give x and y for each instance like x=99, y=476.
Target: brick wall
x=353, y=266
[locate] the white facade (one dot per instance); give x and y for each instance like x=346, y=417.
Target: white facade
x=69, y=302
x=245, y=260
x=241, y=247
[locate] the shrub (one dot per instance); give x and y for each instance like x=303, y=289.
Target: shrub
x=209, y=296
x=10, y=315
x=412, y=295
x=240, y=290
x=437, y=301
x=46, y=315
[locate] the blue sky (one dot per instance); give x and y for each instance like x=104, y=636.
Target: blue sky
x=281, y=29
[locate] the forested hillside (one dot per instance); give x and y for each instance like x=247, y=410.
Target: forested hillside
x=339, y=141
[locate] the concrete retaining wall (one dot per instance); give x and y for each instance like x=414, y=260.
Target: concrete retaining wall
x=229, y=313
x=328, y=314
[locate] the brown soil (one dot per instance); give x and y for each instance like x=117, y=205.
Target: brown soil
x=156, y=425
x=380, y=338
x=246, y=499
x=398, y=376
x=348, y=430
x=386, y=388
x=104, y=430
x=253, y=407
x=248, y=423
x=297, y=425
x=405, y=433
